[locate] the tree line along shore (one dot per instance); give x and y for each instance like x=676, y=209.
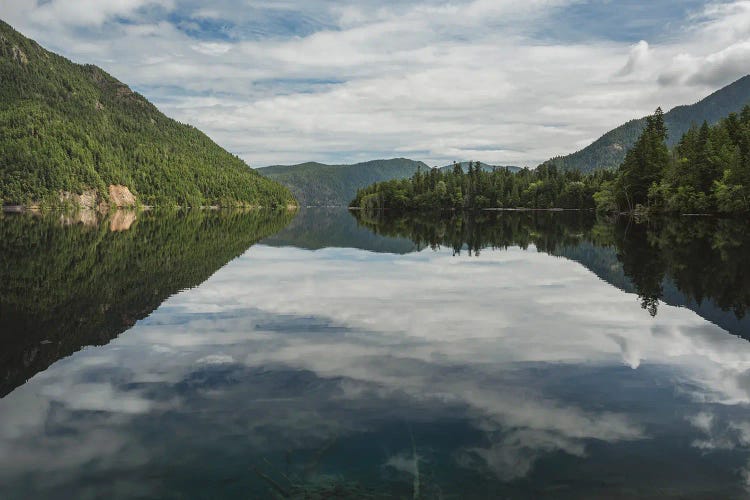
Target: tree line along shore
x=708, y=171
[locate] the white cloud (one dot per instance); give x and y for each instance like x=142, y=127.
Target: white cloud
x=639, y=56
x=433, y=80
x=713, y=69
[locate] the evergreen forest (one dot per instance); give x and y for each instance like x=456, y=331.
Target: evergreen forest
x=69, y=128
x=708, y=171
x=608, y=152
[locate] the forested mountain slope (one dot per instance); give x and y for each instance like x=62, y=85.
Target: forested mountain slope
x=609, y=150
x=69, y=129
x=317, y=184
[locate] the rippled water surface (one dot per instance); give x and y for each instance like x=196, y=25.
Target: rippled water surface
x=273, y=355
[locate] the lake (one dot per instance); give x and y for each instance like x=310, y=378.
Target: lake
x=326, y=354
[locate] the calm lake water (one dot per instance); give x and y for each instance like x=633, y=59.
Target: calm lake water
x=323, y=355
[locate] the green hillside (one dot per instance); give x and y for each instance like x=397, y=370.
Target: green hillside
x=317, y=184
x=609, y=150
x=69, y=128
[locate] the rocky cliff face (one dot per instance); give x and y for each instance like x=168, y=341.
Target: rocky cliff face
x=120, y=196
x=90, y=199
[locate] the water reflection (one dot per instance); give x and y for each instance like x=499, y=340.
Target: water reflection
x=72, y=280
x=317, y=228
x=472, y=232
x=699, y=263
x=338, y=371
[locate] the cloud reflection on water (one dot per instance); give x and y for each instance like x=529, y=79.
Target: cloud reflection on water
x=285, y=347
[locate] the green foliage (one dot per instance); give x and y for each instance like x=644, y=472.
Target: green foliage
x=546, y=187
x=70, y=128
x=708, y=171
x=644, y=164
x=609, y=151
x=316, y=184
x=63, y=287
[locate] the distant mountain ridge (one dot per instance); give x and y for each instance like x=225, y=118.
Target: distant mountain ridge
x=318, y=184
x=609, y=151
x=73, y=134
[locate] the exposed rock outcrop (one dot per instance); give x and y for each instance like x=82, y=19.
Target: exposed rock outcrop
x=19, y=56
x=89, y=199
x=120, y=196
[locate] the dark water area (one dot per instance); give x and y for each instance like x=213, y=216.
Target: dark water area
x=326, y=354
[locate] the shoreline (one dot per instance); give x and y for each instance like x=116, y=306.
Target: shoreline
x=521, y=209
x=21, y=209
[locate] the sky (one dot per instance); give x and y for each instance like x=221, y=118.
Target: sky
x=500, y=81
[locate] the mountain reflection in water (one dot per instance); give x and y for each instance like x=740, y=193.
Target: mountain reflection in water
x=322, y=369
x=68, y=281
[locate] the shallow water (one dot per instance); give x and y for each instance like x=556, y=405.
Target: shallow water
x=508, y=355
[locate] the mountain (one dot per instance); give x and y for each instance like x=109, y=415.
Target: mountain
x=73, y=133
x=609, y=150
x=317, y=184
x=485, y=167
